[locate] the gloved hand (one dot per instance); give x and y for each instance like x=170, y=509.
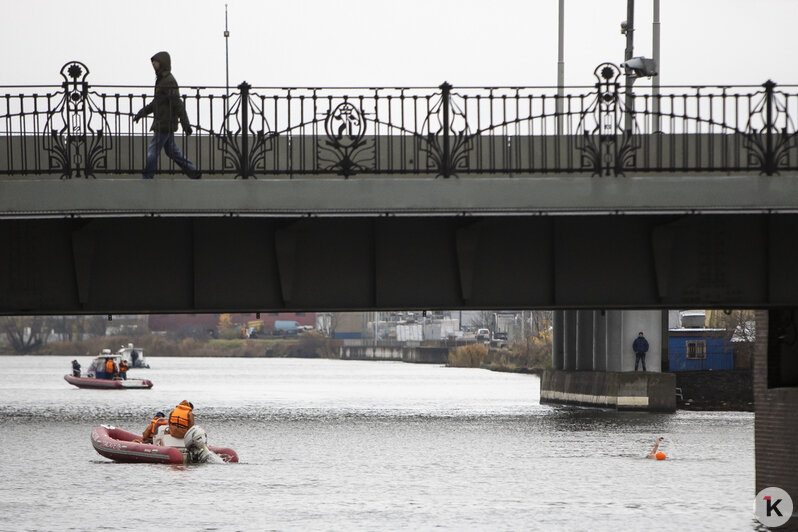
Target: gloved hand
x=138, y=116
x=187, y=129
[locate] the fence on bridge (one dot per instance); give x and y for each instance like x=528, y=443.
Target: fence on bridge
x=80, y=130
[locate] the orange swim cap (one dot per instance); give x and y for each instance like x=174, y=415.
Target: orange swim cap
x=660, y=455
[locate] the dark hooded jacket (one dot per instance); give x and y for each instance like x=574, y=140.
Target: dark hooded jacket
x=166, y=106
x=640, y=345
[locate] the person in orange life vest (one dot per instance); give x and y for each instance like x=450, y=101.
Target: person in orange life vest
x=181, y=419
x=123, y=369
x=152, y=428
x=111, y=371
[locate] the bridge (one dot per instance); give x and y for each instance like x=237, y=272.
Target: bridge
x=602, y=205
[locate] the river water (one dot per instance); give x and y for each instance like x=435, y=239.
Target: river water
x=347, y=445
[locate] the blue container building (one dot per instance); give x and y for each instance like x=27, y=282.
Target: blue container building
x=699, y=349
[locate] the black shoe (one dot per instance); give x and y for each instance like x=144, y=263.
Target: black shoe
x=195, y=176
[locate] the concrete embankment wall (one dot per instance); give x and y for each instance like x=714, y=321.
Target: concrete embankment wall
x=716, y=390
x=421, y=355
x=620, y=390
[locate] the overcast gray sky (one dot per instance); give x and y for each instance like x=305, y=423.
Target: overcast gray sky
x=381, y=43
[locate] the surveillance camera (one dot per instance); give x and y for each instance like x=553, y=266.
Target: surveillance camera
x=641, y=67
x=624, y=25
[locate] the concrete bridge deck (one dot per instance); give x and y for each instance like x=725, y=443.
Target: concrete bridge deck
x=380, y=195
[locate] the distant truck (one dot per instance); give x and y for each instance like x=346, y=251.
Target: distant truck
x=286, y=328
x=499, y=340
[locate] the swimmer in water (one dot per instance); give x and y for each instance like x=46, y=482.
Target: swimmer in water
x=653, y=454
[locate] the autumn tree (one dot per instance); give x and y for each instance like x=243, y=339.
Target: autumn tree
x=225, y=321
x=25, y=334
x=482, y=320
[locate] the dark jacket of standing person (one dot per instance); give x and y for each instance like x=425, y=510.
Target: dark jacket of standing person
x=75, y=368
x=181, y=419
x=640, y=345
x=167, y=106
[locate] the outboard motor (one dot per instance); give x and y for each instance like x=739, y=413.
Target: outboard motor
x=196, y=442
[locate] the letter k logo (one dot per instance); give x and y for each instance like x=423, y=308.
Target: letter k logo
x=772, y=507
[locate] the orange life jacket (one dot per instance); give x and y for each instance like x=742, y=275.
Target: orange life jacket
x=123, y=366
x=110, y=367
x=152, y=429
x=180, y=420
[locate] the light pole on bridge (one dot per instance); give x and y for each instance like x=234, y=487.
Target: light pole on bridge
x=226, y=67
x=635, y=67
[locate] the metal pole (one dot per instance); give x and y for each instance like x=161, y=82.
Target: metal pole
x=560, y=66
x=630, y=32
x=226, y=66
x=655, y=79
x=446, y=171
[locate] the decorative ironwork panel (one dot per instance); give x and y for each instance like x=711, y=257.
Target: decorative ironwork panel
x=608, y=148
x=770, y=132
x=245, y=136
x=446, y=134
x=76, y=133
x=345, y=150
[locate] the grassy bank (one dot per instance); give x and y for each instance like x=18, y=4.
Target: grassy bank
x=509, y=360
x=304, y=346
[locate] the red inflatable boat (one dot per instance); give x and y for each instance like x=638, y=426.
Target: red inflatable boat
x=118, y=445
x=108, y=384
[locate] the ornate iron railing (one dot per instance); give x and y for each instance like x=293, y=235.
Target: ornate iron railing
x=80, y=130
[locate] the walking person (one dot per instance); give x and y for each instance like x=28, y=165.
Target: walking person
x=640, y=347
x=167, y=108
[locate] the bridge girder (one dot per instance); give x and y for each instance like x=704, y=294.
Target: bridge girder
x=221, y=264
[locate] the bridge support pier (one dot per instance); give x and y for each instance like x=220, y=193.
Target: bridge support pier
x=776, y=403
x=557, y=341
x=598, y=364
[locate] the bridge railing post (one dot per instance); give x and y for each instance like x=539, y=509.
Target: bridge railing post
x=244, y=107
x=770, y=156
x=446, y=94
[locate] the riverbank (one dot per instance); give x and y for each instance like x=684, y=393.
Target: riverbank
x=715, y=390
x=307, y=345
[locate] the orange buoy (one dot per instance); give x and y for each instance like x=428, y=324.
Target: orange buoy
x=660, y=455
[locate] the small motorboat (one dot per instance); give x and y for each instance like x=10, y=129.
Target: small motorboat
x=108, y=384
x=134, y=356
x=118, y=445
x=97, y=377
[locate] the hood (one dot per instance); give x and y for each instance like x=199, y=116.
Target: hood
x=186, y=403
x=165, y=61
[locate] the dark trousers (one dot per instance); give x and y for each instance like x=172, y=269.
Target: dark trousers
x=166, y=142
x=640, y=357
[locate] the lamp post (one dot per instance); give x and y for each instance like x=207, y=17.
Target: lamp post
x=655, y=79
x=629, y=29
x=560, y=66
x=226, y=67
x=635, y=67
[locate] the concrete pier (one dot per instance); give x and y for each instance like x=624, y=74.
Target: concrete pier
x=618, y=390
x=594, y=365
